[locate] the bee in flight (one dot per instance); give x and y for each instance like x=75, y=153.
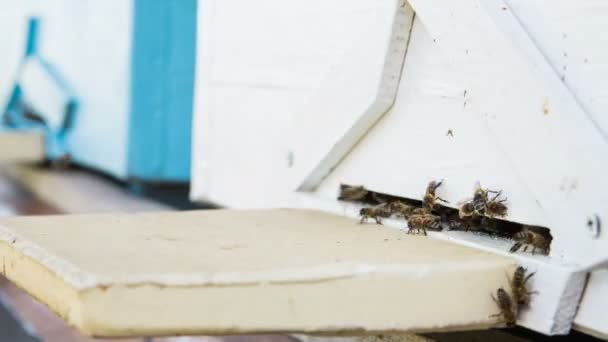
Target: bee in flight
x=377, y=213
x=508, y=309
x=423, y=222
x=526, y=237
x=430, y=198
x=519, y=286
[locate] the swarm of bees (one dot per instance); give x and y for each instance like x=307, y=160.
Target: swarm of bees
x=483, y=212
x=510, y=305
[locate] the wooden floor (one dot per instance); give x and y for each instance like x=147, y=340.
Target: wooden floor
x=47, y=326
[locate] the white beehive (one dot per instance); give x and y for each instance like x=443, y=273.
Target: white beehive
x=391, y=95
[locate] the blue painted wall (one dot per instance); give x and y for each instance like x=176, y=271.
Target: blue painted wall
x=163, y=61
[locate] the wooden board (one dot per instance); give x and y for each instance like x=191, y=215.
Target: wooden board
x=21, y=146
x=79, y=192
x=295, y=270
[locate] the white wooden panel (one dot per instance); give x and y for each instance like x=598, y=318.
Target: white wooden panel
x=569, y=34
x=350, y=101
x=410, y=145
x=252, y=82
x=591, y=316
x=555, y=148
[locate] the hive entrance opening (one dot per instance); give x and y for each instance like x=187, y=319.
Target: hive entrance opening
x=480, y=215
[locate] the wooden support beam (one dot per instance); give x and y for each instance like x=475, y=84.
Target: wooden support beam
x=18, y=146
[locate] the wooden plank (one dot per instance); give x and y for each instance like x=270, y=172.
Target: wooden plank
x=78, y=192
x=198, y=269
x=353, y=98
x=20, y=146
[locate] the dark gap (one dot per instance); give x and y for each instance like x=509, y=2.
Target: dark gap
x=492, y=226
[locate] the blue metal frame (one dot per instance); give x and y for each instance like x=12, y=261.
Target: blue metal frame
x=18, y=114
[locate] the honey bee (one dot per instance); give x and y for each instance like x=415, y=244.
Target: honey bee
x=466, y=210
x=508, y=309
x=496, y=206
x=422, y=223
x=430, y=199
x=528, y=238
x=352, y=193
x=377, y=213
x=519, y=287
x=401, y=209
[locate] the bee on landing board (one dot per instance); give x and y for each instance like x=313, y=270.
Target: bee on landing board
x=508, y=309
x=401, y=209
x=377, y=213
x=417, y=223
x=430, y=198
x=519, y=286
x=527, y=238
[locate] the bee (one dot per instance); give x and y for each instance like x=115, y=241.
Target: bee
x=466, y=210
x=377, y=213
x=352, y=193
x=430, y=199
x=508, y=309
x=480, y=199
x=401, y=209
x=423, y=222
x=519, y=287
x=496, y=206
x=528, y=238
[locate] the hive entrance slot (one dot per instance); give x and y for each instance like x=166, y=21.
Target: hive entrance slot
x=526, y=238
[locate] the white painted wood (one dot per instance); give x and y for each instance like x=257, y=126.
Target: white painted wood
x=22, y=147
x=350, y=101
x=253, y=100
x=520, y=92
x=78, y=192
x=591, y=316
x=568, y=34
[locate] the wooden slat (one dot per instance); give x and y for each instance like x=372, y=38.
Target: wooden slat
x=78, y=192
x=18, y=146
x=294, y=270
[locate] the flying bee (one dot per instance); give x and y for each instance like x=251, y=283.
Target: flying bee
x=352, y=193
x=519, y=288
x=528, y=238
x=377, y=213
x=496, y=206
x=430, y=199
x=422, y=223
x=508, y=309
x=399, y=208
